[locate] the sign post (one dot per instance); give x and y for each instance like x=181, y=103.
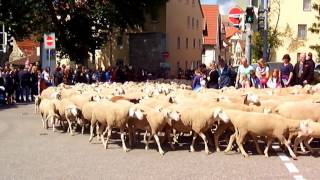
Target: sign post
x=235, y=16
x=49, y=43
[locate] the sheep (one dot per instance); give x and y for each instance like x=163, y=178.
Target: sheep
x=152, y=120
x=258, y=124
x=309, y=129
x=68, y=111
x=48, y=111
x=113, y=115
x=198, y=120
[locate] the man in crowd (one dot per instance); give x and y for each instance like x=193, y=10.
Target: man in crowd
x=303, y=71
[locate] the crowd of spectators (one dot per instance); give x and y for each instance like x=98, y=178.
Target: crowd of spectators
x=221, y=75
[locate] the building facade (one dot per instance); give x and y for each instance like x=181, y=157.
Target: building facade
x=212, y=31
x=295, y=18
x=180, y=23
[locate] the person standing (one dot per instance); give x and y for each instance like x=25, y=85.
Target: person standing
x=213, y=77
x=303, y=71
x=25, y=84
x=197, y=81
x=286, y=71
x=243, y=75
x=262, y=72
x=224, y=72
x=57, y=76
x=34, y=82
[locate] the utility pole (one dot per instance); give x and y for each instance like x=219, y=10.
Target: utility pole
x=265, y=31
x=249, y=38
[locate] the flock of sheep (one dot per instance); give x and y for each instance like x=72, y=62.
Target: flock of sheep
x=171, y=109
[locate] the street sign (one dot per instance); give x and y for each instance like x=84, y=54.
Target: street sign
x=49, y=41
x=234, y=15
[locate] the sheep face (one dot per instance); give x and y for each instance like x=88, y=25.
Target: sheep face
x=251, y=98
x=136, y=113
x=95, y=98
x=219, y=114
x=174, y=115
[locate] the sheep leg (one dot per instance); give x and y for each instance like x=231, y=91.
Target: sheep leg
x=308, y=146
x=256, y=144
x=171, y=143
x=158, y=143
x=97, y=132
x=42, y=119
x=147, y=142
x=175, y=136
x=108, y=137
x=103, y=134
x=125, y=149
x=239, y=140
x=204, y=138
x=145, y=136
x=266, y=150
x=310, y=140
x=231, y=140
x=91, y=132
x=284, y=141
x=195, y=135
x=130, y=130
x=70, y=126
x=221, y=128
x=302, y=147
x=296, y=142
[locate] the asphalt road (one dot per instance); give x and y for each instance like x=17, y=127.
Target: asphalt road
x=29, y=152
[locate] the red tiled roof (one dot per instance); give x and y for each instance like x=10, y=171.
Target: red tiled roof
x=230, y=31
x=211, y=16
x=29, y=48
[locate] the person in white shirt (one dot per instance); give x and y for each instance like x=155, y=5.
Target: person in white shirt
x=243, y=75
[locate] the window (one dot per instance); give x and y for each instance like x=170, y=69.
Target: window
x=192, y=23
x=307, y=5
x=188, y=22
x=193, y=2
x=187, y=43
x=199, y=43
x=178, y=43
x=187, y=1
x=302, y=31
x=194, y=43
x=197, y=24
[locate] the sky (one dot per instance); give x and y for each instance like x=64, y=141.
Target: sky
x=225, y=5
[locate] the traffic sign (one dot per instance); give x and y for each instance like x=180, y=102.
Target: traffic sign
x=234, y=15
x=49, y=41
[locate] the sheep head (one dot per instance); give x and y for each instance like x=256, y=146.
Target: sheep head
x=173, y=115
x=137, y=113
x=219, y=114
x=305, y=127
x=251, y=98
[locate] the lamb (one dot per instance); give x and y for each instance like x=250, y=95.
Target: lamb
x=152, y=120
x=48, y=111
x=258, y=124
x=198, y=120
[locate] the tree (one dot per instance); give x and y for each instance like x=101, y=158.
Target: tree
x=315, y=28
x=274, y=35
x=81, y=26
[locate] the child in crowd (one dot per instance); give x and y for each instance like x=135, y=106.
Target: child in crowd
x=274, y=80
x=254, y=80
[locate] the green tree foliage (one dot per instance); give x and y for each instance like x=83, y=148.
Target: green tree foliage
x=315, y=28
x=274, y=41
x=81, y=26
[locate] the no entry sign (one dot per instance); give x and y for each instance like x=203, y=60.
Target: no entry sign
x=49, y=41
x=234, y=15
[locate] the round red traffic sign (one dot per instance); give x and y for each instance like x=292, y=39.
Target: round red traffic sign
x=49, y=41
x=233, y=13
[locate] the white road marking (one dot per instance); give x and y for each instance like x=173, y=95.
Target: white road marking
x=283, y=157
x=298, y=177
x=291, y=167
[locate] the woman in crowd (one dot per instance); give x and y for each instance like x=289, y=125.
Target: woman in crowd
x=198, y=80
x=274, y=80
x=262, y=73
x=243, y=75
x=286, y=71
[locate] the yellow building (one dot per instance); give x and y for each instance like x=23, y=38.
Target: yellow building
x=176, y=33
x=295, y=18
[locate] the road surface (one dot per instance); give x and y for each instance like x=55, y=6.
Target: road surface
x=29, y=152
